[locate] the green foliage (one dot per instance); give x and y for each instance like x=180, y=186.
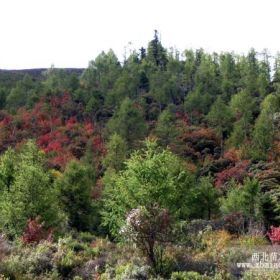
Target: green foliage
x=243, y=107
x=220, y=117
x=190, y=275
x=102, y=72
x=249, y=70
x=263, y=133
x=58, y=81
x=27, y=191
x=229, y=75
x=128, y=122
x=206, y=195
x=74, y=189
x=261, y=275
x=7, y=170
x=245, y=199
x=156, y=52
x=116, y=153
x=24, y=93
x=67, y=262
x=152, y=176
x=197, y=103
x=166, y=127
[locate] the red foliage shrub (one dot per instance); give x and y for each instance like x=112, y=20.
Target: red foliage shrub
x=274, y=235
x=237, y=172
x=54, y=124
x=232, y=155
x=197, y=143
x=35, y=232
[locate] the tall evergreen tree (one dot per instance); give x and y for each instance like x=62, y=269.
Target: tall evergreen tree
x=128, y=122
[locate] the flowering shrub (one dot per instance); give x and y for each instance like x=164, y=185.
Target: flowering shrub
x=148, y=228
x=35, y=232
x=274, y=235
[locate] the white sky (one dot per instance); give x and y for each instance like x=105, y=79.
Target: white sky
x=69, y=33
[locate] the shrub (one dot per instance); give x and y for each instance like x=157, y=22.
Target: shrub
x=148, y=228
x=261, y=275
x=132, y=271
x=190, y=275
x=68, y=262
x=86, y=237
x=5, y=246
x=251, y=241
x=274, y=235
x=237, y=172
x=234, y=223
x=33, y=261
x=216, y=241
x=35, y=232
x=245, y=199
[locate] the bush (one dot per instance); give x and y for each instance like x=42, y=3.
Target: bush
x=86, y=237
x=148, y=228
x=251, y=241
x=234, y=223
x=35, y=232
x=190, y=275
x=216, y=242
x=30, y=260
x=261, y=275
x=132, y=271
x=68, y=262
x=5, y=246
x=274, y=235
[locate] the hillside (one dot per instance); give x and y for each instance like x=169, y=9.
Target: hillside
x=165, y=166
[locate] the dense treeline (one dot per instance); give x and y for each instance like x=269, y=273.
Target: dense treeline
x=152, y=150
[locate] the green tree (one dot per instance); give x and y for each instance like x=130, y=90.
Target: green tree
x=196, y=104
x=220, y=117
x=229, y=75
x=245, y=199
x=263, y=133
x=58, y=81
x=3, y=97
x=75, y=187
x=7, y=170
x=151, y=176
x=207, y=195
x=276, y=76
x=23, y=94
x=98, y=80
x=163, y=88
x=128, y=122
x=166, y=127
x=156, y=52
x=189, y=69
x=249, y=72
x=116, y=153
x=27, y=191
x=264, y=76
x=102, y=72
x=243, y=106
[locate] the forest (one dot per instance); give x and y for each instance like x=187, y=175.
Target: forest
x=162, y=166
